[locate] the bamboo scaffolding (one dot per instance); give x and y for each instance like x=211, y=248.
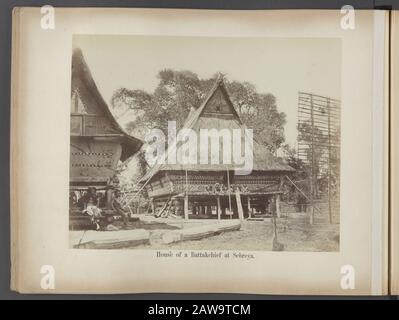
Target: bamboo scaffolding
x=319, y=123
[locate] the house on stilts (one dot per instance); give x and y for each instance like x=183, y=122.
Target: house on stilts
x=97, y=143
x=213, y=190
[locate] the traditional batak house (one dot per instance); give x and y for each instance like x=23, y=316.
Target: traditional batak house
x=97, y=142
x=209, y=190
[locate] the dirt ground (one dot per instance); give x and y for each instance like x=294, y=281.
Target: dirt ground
x=295, y=234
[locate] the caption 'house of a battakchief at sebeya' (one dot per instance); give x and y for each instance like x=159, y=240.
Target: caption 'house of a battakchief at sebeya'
x=214, y=190
x=97, y=144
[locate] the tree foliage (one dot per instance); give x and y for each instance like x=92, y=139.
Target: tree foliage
x=179, y=91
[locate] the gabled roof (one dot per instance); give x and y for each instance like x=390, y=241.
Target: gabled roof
x=199, y=119
x=81, y=76
x=218, y=86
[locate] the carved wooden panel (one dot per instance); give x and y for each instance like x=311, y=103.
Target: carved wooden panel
x=93, y=160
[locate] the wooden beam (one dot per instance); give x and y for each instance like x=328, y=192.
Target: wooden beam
x=186, y=207
x=239, y=205
x=249, y=207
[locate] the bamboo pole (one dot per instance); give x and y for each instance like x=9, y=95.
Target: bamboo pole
x=219, y=207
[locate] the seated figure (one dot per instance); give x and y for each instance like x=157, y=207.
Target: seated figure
x=94, y=212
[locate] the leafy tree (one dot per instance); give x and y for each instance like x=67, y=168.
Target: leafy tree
x=300, y=177
x=180, y=91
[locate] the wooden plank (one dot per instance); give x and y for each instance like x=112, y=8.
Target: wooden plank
x=113, y=239
x=197, y=233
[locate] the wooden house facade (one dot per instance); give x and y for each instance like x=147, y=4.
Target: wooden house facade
x=214, y=190
x=97, y=142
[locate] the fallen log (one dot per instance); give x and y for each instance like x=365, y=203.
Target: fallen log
x=197, y=233
x=113, y=239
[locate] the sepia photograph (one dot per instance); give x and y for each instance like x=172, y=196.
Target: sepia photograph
x=188, y=151
x=205, y=143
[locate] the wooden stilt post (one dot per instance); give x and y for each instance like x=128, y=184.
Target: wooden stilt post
x=228, y=190
x=208, y=210
x=239, y=205
x=249, y=207
x=186, y=200
x=219, y=208
x=186, y=207
x=110, y=195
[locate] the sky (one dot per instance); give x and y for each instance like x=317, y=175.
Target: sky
x=280, y=66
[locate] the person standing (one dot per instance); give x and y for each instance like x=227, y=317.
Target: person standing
x=118, y=207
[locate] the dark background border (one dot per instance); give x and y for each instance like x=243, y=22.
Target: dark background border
x=5, y=75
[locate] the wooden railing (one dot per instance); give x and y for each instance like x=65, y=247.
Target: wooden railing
x=90, y=125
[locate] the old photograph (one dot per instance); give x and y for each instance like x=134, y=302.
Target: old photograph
x=205, y=143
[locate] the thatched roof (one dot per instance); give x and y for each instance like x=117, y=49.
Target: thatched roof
x=83, y=82
x=218, y=112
